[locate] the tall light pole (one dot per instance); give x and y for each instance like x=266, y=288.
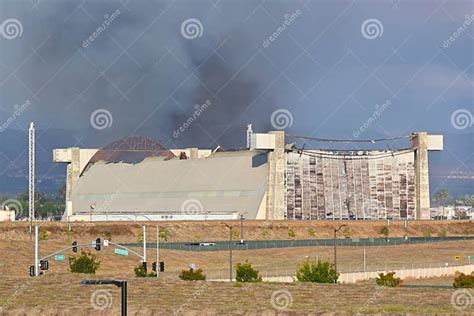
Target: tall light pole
x=242, y=228
x=31, y=173
x=335, y=253
x=230, y=251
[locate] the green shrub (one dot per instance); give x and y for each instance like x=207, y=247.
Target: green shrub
x=265, y=233
x=311, y=232
x=107, y=235
x=442, y=233
x=464, y=281
x=388, y=279
x=317, y=271
x=245, y=273
x=43, y=234
x=140, y=237
x=141, y=273
x=466, y=232
x=291, y=233
x=84, y=263
x=427, y=233
x=191, y=275
x=347, y=233
x=164, y=234
x=235, y=234
x=385, y=231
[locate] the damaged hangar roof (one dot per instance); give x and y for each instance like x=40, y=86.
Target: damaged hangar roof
x=223, y=183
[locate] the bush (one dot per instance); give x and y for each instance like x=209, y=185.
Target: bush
x=385, y=231
x=84, y=263
x=291, y=233
x=388, y=279
x=317, y=271
x=43, y=234
x=235, y=234
x=245, y=273
x=191, y=275
x=442, y=233
x=347, y=233
x=466, y=232
x=464, y=281
x=311, y=232
x=265, y=233
x=164, y=234
x=140, y=272
x=427, y=233
x=107, y=235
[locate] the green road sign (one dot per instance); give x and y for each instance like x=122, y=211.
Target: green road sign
x=59, y=257
x=121, y=252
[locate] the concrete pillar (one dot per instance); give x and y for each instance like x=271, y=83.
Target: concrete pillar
x=419, y=142
x=193, y=153
x=276, y=179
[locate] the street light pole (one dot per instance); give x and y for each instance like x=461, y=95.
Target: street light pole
x=230, y=250
x=241, y=228
x=335, y=250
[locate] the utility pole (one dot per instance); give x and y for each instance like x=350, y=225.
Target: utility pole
x=365, y=262
x=230, y=250
x=241, y=228
x=31, y=174
x=335, y=254
x=36, y=251
x=157, y=251
x=144, y=243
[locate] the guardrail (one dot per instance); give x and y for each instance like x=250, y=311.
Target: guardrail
x=264, y=244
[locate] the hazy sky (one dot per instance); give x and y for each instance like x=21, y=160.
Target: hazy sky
x=322, y=68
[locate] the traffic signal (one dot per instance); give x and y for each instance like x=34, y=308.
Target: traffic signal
x=74, y=246
x=153, y=266
x=162, y=266
x=144, y=266
x=32, y=271
x=44, y=264
x=97, y=244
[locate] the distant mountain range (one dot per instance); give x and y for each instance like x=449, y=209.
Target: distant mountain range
x=451, y=168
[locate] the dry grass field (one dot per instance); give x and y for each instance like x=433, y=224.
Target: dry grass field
x=59, y=292
x=64, y=295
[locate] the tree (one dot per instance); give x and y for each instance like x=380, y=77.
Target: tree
x=245, y=273
x=442, y=196
x=317, y=271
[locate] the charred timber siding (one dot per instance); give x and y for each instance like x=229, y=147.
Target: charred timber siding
x=325, y=185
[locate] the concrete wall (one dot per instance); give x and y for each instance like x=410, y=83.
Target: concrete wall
x=276, y=207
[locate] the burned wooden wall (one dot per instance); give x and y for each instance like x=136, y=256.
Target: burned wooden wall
x=350, y=185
